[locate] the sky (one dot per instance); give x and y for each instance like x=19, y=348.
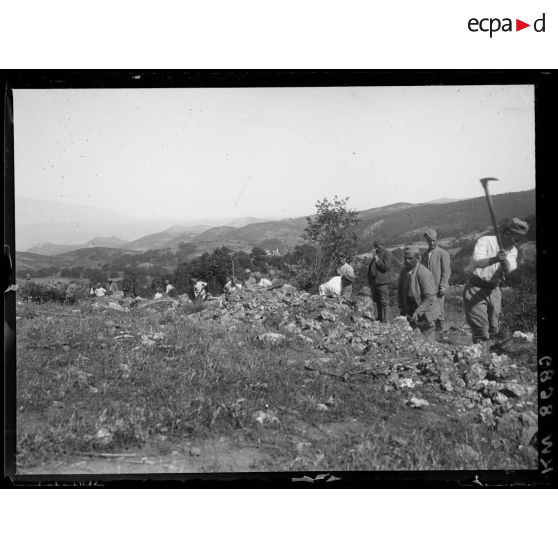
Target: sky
x=190, y=154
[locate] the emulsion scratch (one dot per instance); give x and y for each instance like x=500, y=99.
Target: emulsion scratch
x=242, y=191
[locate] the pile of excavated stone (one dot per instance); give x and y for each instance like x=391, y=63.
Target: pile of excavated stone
x=500, y=392
x=347, y=343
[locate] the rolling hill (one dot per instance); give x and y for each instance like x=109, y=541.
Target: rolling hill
x=169, y=238
x=397, y=224
x=51, y=249
x=453, y=219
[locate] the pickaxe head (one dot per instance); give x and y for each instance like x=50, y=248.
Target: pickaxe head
x=484, y=182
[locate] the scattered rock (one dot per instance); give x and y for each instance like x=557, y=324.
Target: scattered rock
x=326, y=315
x=459, y=382
x=474, y=373
x=417, y=403
x=195, y=451
x=272, y=338
x=528, y=337
x=406, y=383
x=516, y=390
x=104, y=436
x=265, y=417
x=487, y=416
x=402, y=323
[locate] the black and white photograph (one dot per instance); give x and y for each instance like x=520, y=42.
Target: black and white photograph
x=275, y=279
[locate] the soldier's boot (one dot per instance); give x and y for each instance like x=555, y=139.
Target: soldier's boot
x=439, y=330
x=486, y=350
x=429, y=335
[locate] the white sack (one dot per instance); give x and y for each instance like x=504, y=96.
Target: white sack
x=332, y=287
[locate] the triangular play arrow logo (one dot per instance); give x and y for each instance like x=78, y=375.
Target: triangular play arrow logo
x=519, y=25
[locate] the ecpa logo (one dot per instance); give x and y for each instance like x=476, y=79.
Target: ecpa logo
x=494, y=24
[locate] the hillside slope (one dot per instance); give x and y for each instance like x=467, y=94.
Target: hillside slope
x=453, y=219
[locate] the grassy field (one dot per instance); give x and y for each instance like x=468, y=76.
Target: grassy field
x=99, y=382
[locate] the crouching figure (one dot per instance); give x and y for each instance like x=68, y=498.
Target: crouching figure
x=417, y=293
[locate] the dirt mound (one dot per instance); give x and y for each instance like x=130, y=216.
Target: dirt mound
x=500, y=393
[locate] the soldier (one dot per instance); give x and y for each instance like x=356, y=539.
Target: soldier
x=250, y=279
x=347, y=273
x=200, y=289
x=379, y=277
x=482, y=297
x=437, y=260
x=417, y=293
x=169, y=288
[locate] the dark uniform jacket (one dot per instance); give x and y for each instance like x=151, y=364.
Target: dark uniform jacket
x=379, y=271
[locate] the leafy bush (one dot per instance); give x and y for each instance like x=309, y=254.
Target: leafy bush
x=54, y=291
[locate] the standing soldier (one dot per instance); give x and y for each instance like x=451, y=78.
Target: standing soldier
x=379, y=277
x=417, y=293
x=169, y=288
x=437, y=260
x=482, y=297
x=113, y=287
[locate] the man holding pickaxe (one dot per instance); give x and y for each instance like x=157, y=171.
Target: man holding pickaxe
x=493, y=257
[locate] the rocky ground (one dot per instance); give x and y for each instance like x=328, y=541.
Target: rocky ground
x=502, y=392
x=405, y=379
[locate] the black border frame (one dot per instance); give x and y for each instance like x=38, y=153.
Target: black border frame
x=546, y=93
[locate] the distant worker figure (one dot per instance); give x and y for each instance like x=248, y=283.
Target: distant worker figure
x=169, y=288
x=129, y=287
x=482, y=298
x=347, y=273
x=379, y=277
x=417, y=293
x=437, y=260
x=200, y=289
x=113, y=287
x=92, y=291
x=231, y=285
x=250, y=279
x=100, y=290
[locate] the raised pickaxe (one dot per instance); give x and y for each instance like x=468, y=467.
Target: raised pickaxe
x=484, y=182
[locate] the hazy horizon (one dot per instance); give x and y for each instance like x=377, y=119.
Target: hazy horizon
x=131, y=229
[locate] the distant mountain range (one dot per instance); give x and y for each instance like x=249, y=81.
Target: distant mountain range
x=50, y=249
x=396, y=224
x=46, y=226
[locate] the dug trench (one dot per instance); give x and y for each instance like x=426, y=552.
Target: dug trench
x=266, y=380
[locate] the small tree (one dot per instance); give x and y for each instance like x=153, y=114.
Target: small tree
x=331, y=232
x=258, y=257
